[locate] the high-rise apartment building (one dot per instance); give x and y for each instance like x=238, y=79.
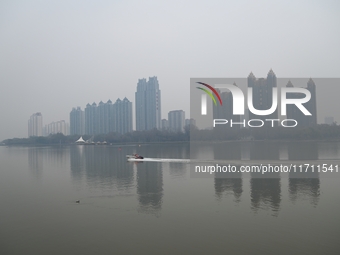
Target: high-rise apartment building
x=77, y=121
x=311, y=104
x=108, y=117
x=122, y=112
x=263, y=95
x=35, y=126
x=104, y=118
x=90, y=119
x=294, y=113
x=148, y=104
x=141, y=104
x=225, y=111
x=176, y=121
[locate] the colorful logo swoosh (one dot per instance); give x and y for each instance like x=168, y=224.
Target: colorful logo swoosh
x=209, y=93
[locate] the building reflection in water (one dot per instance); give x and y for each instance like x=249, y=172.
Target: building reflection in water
x=102, y=167
x=77, y=161
x=229, y=150
x=150, y=187
x=177, y=170
x=328, y=150
x=228, y=183
x=265, y=193
x=35, y=161
x=106, y=168
x=199, y=151
x=303, y=150
x=58, y=155
x=174, y=150
x=264, y=150
x=99, y=167
x=304, y=186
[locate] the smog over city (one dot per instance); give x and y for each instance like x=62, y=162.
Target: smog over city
x=169, y=127
x=56, y=55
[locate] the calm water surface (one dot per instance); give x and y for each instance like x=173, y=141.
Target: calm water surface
x=158, y=208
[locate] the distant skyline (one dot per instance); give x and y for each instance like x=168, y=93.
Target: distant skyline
x=56, y=55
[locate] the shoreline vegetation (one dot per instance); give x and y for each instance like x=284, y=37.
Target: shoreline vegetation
x=319, y=132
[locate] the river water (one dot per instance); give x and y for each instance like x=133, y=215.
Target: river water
x=159, y=207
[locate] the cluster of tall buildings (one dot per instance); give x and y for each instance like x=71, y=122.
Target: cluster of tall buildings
x=148, y=109
x=176, y=122
x=262, y=99
x=117, y=117
x=104, y=118
x=35, y=126
x=263, y=94
x=56, y=127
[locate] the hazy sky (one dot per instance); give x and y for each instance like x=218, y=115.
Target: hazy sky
x=55, y=55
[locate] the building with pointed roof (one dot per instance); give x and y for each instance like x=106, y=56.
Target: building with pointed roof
x=289, y=84
x=90, y=119
x=107, y=117
x=263, y=94
x=294, y=113
x=122, y=116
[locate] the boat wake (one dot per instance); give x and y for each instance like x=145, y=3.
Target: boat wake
x=233, y=162
x=174, y=160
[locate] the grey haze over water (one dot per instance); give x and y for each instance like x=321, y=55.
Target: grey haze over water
x=160, y=207
x=56, y=55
